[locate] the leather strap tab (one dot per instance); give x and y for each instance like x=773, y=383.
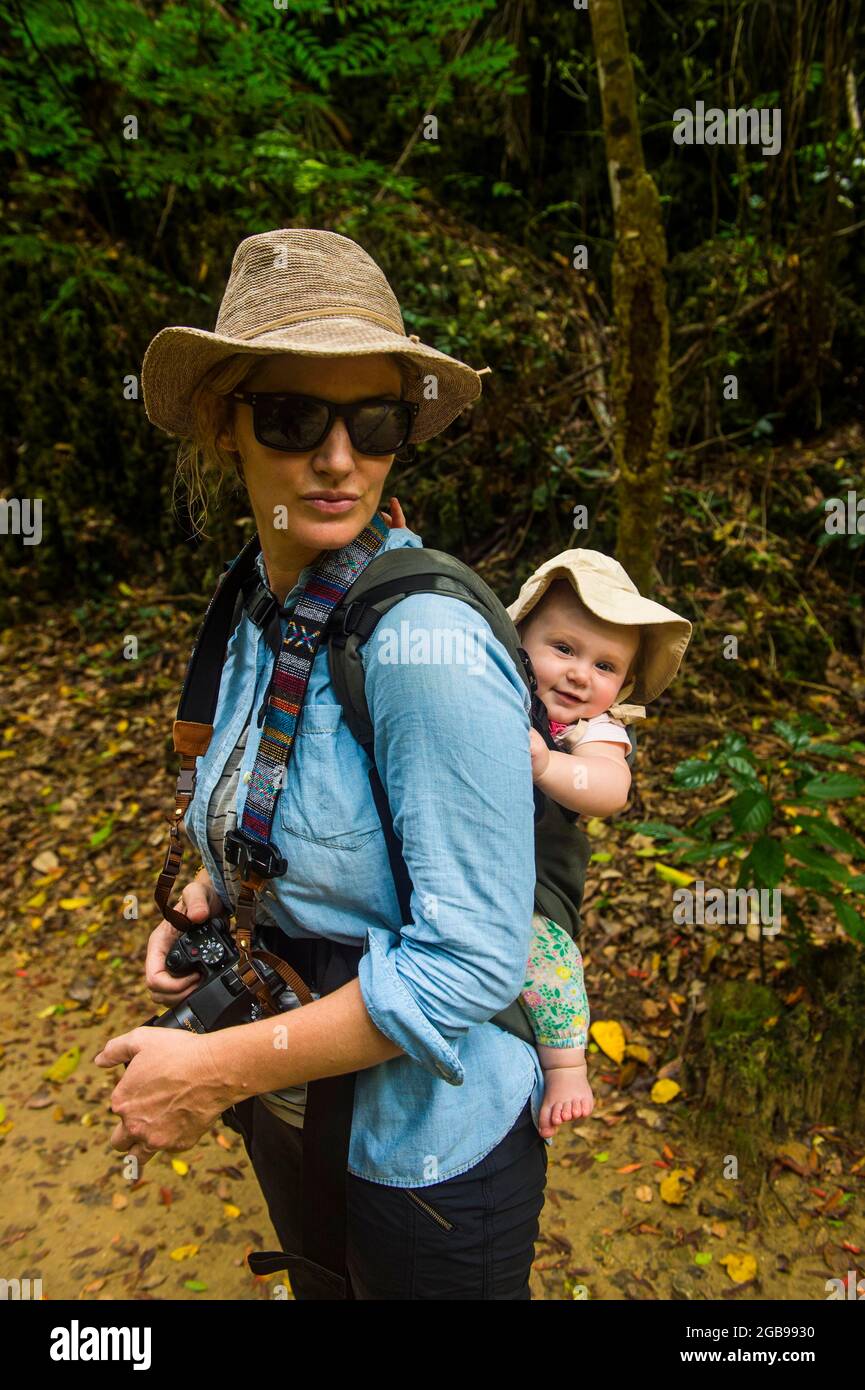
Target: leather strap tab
x=192, y=739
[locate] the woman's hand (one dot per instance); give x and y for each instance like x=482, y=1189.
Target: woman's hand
x=170, y=1093
x=199, y=901
x=394, y=514
x=540, y=755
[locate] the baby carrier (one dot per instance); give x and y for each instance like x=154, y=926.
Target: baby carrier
x=562, y=848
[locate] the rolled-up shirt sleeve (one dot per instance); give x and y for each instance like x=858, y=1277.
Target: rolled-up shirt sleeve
x=452, y=749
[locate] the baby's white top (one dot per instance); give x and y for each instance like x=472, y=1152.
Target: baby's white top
x=601, y=726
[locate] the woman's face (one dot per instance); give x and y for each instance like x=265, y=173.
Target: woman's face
x=580, y=662
x=292, y=530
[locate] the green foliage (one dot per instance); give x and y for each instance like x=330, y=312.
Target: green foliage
x=142, y=139
x=777, y=825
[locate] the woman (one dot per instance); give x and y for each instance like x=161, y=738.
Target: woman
x=446, y=1168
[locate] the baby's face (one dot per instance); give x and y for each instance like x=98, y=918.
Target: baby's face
x=580, y=662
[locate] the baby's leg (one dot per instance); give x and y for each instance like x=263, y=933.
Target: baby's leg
x=554, y=999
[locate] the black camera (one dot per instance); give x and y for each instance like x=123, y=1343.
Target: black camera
x=222, y=999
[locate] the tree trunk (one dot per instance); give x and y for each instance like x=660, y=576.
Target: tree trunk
x=640, y=384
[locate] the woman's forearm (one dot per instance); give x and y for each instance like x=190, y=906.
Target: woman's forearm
x=328, y=1037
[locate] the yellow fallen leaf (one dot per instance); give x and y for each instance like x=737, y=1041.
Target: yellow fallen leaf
x=184, y=1252
x=64, y=1066
x=671, y=875
x=610, y=1038
x=69, y=904
x=2, y=1112
x=47, y=1011
x=4, y=1129
x=665, y=1090
x=180, y=1167
x=595, y=827
x=740, y=1268
x=637, y=1051
x=674, y=1187
x=121, y=726
x=231, y=1211
x=38, y=899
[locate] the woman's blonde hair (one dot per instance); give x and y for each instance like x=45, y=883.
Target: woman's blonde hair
x=203, y=464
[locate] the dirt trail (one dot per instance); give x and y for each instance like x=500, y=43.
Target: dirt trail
x=73, y=1220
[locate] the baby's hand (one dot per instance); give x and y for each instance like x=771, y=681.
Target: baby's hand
x=394, y=514
x=567, y=1096
x=540, y=754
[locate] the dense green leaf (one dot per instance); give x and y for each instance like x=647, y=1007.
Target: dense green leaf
x=837, y=786
x=852, y=921
x=751, y=811
x=695, y=773
x=768, y=859
x=798, y=848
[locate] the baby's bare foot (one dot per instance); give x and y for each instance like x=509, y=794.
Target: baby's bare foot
x=567, y=1096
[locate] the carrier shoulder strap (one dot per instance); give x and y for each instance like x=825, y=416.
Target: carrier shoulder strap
x=389, y=578
x=199, y=696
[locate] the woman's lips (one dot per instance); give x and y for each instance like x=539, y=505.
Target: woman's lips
x=341, y=506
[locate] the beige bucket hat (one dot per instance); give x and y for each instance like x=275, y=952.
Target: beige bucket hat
x=608, y=591
x=306, y=291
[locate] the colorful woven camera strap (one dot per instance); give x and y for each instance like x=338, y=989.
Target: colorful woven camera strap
x=332, y=575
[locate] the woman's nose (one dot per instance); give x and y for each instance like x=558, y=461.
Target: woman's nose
x=335, y=452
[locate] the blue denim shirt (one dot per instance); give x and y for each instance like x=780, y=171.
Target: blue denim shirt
x=452, y=746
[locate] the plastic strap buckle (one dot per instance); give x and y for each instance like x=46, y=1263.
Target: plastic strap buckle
x=251, y=856
x=185, y=782
x=355, y=617
x=260, y=607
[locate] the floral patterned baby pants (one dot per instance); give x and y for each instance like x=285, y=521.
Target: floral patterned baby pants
x=554, y=995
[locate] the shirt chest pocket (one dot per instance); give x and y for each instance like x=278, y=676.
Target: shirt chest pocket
x=327, y=798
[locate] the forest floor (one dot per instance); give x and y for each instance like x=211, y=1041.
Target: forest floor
x=85, y=738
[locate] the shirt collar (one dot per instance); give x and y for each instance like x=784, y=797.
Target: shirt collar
x=397, y=537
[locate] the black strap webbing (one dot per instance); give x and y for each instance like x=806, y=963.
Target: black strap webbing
x=200, y=693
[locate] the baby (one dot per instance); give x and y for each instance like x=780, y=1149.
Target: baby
x=593, y=641
x=591, y=638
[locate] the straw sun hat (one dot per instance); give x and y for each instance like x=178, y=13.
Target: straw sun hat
x=607, y=590
x=311, y=292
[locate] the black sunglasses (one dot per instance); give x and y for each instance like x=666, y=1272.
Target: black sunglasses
x=296, y=424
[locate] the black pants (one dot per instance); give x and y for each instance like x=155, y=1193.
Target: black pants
x=470, y=1237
